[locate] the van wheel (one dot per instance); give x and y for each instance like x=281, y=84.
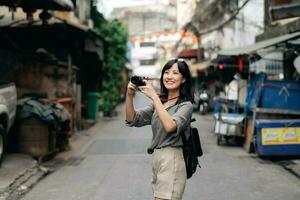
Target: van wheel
x=2, y=143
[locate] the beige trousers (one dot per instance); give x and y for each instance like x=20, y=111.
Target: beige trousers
x=168, y=173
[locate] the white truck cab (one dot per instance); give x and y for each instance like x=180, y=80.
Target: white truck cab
x=8, y=107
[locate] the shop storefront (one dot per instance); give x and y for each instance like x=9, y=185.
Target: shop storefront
x=271, y=101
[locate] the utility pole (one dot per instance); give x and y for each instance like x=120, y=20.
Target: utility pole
x=267, y=19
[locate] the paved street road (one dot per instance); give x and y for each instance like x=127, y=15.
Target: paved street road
x=112, y=163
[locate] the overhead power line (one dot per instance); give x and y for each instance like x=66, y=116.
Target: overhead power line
x=221, y=25
x=231, y=18
x=190, y=26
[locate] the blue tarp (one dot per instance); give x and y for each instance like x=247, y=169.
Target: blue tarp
x=54, y=115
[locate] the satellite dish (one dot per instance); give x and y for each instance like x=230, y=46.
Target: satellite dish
x=297, y=64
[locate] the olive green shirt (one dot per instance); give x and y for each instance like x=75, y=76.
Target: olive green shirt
x=181, y=113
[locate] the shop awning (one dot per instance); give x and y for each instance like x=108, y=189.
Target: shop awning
x=63, y=5
x=188, y=53
x=259, y=45
x=60, y=34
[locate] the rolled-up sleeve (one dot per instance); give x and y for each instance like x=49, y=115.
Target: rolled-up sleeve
x=183, y=116
x=142, y=117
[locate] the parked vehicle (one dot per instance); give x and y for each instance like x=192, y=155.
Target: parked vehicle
x=8, y=106
x=229, y=126
x=203, y=102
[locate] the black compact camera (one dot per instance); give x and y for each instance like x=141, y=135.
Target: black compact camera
x=138, y=80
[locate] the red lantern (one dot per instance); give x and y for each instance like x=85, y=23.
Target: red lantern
x=221, y=66
x=240, y=64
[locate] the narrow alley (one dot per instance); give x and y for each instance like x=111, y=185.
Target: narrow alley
x=67, y=68
x=111, y=162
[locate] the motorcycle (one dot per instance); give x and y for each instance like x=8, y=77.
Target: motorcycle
x=203, y=102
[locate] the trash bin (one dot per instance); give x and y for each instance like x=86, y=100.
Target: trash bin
x=93, y=105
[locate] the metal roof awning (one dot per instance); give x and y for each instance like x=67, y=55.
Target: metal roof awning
x=27, y=36
x=259, y=45
x=188, y=53
x=63, y=5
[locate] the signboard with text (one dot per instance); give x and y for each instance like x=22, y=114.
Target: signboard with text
x=280, y=136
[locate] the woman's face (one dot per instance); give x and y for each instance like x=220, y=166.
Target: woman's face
x=172, y=78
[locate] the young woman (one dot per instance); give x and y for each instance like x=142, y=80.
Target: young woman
x=169, y=114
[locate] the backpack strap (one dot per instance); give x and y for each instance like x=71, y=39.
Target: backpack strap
x=184, y=140
x=182, y=132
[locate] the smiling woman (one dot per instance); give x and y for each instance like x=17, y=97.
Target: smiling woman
x=169, y=115
x=172, y=79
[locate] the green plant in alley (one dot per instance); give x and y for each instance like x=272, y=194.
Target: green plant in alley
x=116, y=35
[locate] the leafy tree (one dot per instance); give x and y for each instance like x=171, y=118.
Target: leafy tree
x=116, y=35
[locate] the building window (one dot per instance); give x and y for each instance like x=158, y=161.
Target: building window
x=147, y=44
x=147, y=62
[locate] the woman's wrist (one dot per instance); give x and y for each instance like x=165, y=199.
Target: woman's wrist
x=129, y=94
x=155, y=97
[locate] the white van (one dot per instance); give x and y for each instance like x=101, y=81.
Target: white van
x=8, y=107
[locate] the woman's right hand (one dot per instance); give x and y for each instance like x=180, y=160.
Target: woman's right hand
x=131, y=89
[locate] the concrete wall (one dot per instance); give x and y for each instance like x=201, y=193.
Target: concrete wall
x=147, y=19
x=185, y=11
x=42, y=78
x=249, y=24
x=239, y=32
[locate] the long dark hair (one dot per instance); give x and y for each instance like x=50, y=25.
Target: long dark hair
x=186, y=89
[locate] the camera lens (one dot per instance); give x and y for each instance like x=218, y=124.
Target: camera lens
x=137, y=80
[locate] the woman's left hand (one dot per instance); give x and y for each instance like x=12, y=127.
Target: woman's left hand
x=148, y=90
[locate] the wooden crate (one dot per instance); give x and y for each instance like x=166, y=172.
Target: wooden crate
x=35, y=138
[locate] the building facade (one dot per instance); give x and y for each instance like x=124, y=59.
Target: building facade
x=185, y=12
x=149, y=27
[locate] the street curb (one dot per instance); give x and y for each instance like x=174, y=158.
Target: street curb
x=23, y=183
x=26, y=181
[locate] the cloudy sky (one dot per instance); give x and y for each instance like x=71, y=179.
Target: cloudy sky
x=108, y=5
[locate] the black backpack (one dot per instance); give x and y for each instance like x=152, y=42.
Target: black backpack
x=191, y=150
